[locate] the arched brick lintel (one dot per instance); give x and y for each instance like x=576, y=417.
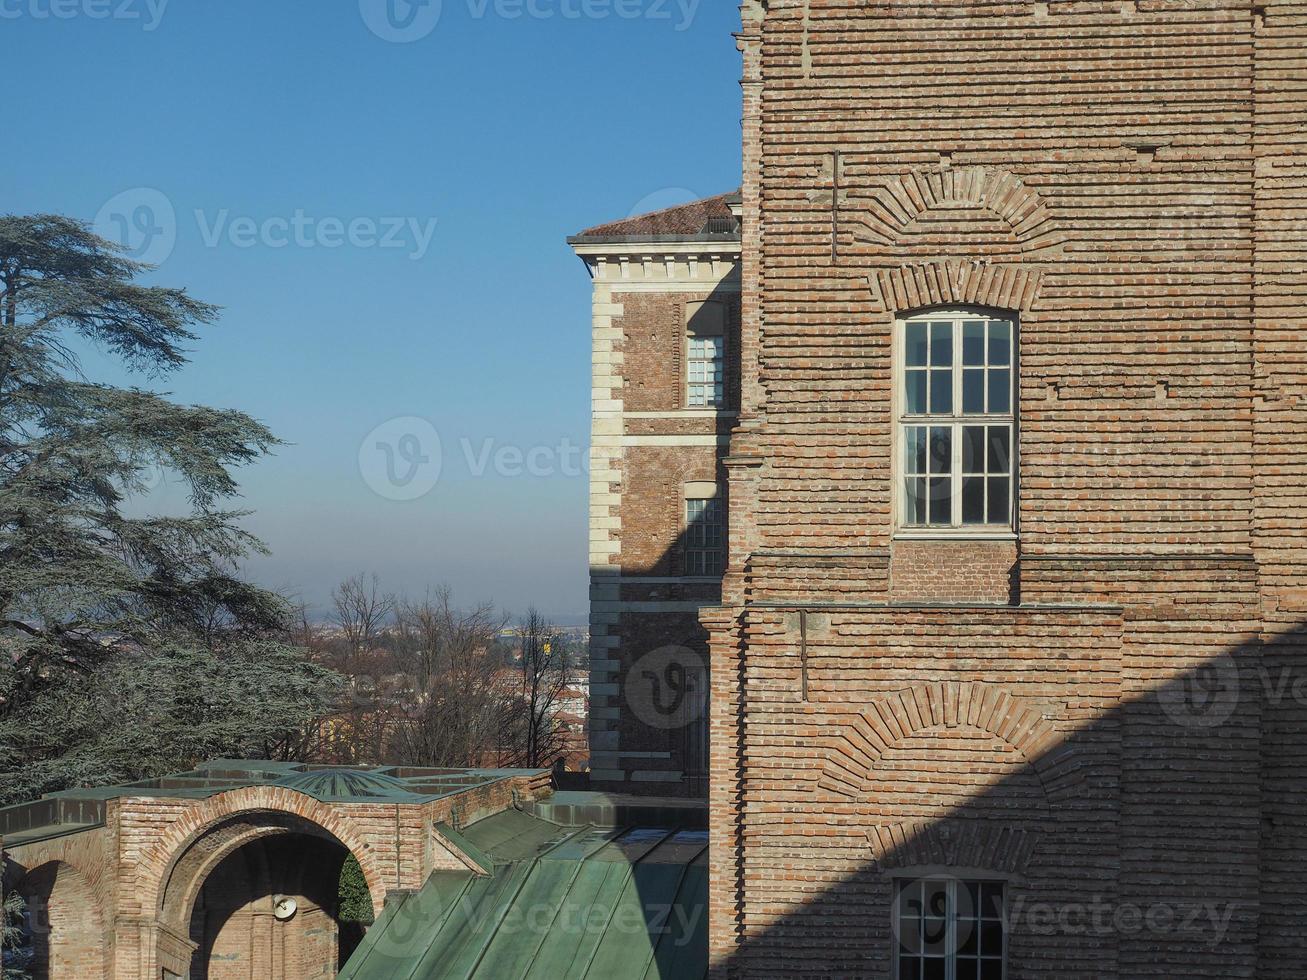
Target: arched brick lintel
x=156, y=866
x=852, y=757
x=953, y=844
x=956, y=282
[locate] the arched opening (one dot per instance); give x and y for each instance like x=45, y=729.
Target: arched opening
x=64, y=926
x=260, y=897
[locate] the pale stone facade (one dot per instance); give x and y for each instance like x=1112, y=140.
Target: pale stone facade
x=651, y=451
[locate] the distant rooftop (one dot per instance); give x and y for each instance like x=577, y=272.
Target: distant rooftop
x=73, y=811
x=710, y=219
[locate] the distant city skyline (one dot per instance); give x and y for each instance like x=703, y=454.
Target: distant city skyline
x=383, y=218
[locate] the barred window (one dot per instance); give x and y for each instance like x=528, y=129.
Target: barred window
x=707, y=363
x=946, y=929
x=705, y=537
x=957, y=421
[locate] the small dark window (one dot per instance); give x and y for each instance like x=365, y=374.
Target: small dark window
x=705, y=537
x=946, y=929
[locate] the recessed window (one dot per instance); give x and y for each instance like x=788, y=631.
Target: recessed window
x=705, y=327
x=707, y=362
x=957, y=422
x=946, y=929
x=705, y=537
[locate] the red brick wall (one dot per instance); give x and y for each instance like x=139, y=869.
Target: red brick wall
x=1108, y=172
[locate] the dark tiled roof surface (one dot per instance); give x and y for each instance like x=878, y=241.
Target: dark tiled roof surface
x=685, y=219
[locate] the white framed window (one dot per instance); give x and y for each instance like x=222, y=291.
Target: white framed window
x=957, y=431
x=707, y=372
x=705, y=537
x=947, y=929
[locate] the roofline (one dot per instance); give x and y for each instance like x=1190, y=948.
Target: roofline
x=722, y=238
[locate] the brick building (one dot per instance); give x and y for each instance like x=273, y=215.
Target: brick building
x=232, y=871
x=666, y=391
x=1006, y=677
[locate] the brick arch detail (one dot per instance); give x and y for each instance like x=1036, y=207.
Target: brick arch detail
x=955, y=282
x=156, y=866
x=953, y=844
x=854, y=754
x=200, y=872
x=885, y=213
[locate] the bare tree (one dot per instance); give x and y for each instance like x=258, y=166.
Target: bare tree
x=459, y=706
x=546, y=675
x=360, y=611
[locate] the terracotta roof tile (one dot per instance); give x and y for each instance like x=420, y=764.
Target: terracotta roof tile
x=684, y=219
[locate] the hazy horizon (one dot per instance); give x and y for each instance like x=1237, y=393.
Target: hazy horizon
x=382, y=215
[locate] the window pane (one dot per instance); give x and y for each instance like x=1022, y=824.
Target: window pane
x=1000, y=342
x=973, y=391
x=1000, y=449
x=915, y=511
x=973, y=343
x=909, y=968
x=968, y=937
x=991, y=938
x=998, y=500
x=941, y=392
x=991, y=905
x=973, y=500
x=941, y=345
x=973, y=449
x=968, y=970
x=915, y=401
x=934, y=937
x=911, y=898
x=935, y=898
x=1000, y=395
x=941, y=449
x=933, y=970
x=991, y=970
x=915, y=355
x=941, y=501
x=914, y=449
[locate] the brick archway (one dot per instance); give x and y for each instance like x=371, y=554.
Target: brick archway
x=157, y=866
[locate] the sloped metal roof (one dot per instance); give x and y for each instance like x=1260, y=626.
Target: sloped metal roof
x=562, y=903
x=348, y=784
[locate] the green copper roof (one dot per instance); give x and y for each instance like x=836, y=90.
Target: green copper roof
x=329, y=785
x=562, y=903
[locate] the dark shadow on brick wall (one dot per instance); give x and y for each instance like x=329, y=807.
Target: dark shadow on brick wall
x=1167, y=838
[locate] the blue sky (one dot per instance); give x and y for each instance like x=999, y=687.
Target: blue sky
x=378, y=197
